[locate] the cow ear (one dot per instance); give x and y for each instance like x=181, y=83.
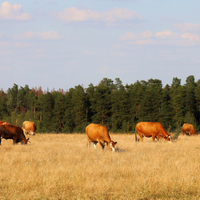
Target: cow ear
x=115, y=143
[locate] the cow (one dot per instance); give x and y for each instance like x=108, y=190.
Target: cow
x=151, y=129
x=97, y=133
x=188, y=129
x=13, y=132
x=3, y=123
x=29, y=127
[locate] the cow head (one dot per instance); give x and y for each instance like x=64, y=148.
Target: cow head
x=168, y=138
x=25, y=141
x=111, y=146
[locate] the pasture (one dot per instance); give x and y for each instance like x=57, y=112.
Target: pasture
x=60, y=166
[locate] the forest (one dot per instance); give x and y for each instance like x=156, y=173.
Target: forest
x=110, y=103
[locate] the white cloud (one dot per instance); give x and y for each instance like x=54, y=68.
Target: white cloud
x=161, y=38
x=189, y=36
x=166, y=35
x=131, y=36
x=1, y=35
x=47, y=35
x=111, y=16
x=187, y=27
x=13, y=12
x=143, y=42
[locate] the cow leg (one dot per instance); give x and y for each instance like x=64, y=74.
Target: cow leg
x=141, y=136
x=153, y=138
x=102, y=145
x=89, y=142
x=95, y=144
x=14, y=140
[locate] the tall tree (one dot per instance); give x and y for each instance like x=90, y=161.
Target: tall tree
x=120, y=114
x=69, y=112
x=190, y=102
x=101, y=104
x=48, y=105
x=177, y=103
x=58, y=112
x=12, y=98
x=151, y=102
x=79, y=108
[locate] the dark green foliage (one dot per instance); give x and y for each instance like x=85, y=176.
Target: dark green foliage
x=120, y=113
x=109, y=103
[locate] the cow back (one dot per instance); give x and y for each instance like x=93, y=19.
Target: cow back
x=12, y=131
x=29, y=126
x=149, y=128
x=97, y=132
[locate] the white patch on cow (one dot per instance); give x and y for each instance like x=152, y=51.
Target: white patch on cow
x=111, y=146
x=170, y=139
x=32, y=133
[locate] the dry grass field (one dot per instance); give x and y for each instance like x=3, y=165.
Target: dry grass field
x=60, y=166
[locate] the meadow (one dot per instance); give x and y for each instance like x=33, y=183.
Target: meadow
x=60, y=166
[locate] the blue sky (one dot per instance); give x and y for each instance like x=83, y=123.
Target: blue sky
x=61, y=44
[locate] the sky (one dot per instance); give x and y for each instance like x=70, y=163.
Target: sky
x=58, y=44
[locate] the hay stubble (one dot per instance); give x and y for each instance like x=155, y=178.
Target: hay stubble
x=62, y=167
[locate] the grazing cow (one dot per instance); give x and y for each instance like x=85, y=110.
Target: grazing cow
x=188, y=129
x=151, y=129
x=3, y=123
x=13, y=132
x=97, y=133
x=29, y=127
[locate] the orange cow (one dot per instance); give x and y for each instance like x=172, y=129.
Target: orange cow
x=29, y=127
x=97, y=133
x=188, y=129
x=12, y=132
x=3, y=123
x=151, y=129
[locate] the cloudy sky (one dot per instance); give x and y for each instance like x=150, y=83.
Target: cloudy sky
x=61, y=44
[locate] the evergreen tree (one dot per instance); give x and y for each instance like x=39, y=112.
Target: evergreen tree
x=89, y=95
x=151, y=102
x=120, y=117
x=79, y=108
x=136, y=93
x=177, y=103
x=12, y=98
x=58, y=111
x=101, y=104
x=48, y=105
x=69, y=113
x=190, y=102
x=165, y=111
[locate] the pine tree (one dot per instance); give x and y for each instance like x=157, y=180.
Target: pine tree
x=120, y=115
x=101, y=104
x=58, y=111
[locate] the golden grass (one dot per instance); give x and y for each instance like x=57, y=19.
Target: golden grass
x=62, y=167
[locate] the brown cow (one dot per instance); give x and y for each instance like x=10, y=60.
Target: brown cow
x=13, y=132
x=29, y=127
x=151, y=129
x=99, y=133
x=188, y=129
x=3, y=123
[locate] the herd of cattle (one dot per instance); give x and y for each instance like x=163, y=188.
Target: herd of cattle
x=16, y=133
x=96, y=133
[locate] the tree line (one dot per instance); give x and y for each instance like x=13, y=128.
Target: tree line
x=110, y=103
